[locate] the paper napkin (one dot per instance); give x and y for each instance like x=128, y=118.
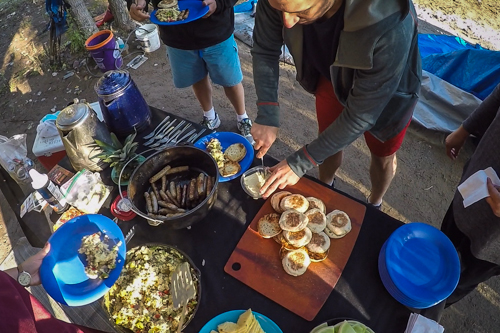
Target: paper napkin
x=475, y=188
x=421, y=324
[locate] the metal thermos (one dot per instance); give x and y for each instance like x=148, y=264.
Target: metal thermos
x=79, y=127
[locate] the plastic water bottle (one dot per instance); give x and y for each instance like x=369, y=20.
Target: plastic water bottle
x=48, y=191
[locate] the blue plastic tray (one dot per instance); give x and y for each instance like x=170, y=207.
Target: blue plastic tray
x=226, y=139
x=196, y=11
x=267, y=324
x=422, y=263
x=63, y=269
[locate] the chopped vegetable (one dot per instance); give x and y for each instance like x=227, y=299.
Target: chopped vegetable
x=140, y=300
x=100, y=258
x=168, y=15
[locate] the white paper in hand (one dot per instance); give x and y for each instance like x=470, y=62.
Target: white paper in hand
x=475, y=188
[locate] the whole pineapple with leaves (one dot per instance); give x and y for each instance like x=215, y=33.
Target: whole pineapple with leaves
x=118, y=154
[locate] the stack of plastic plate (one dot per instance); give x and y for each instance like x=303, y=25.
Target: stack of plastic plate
x=419, y=265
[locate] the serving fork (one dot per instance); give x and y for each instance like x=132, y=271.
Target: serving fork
x=183, y=290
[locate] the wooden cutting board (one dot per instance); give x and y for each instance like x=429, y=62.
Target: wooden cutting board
x=255, y=261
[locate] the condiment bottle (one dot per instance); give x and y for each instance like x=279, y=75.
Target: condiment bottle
x=48, y=191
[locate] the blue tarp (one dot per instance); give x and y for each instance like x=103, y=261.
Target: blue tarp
x=466, y=66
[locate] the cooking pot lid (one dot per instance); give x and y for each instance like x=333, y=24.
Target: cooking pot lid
x=112, y=81
x=71, y=115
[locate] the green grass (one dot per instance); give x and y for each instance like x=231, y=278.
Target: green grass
x=75, y=39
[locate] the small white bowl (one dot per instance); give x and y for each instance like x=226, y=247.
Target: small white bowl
x=248, y=175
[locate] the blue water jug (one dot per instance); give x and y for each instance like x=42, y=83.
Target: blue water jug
x=122, y=104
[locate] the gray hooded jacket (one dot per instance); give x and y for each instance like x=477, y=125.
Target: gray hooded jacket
x=376, y=74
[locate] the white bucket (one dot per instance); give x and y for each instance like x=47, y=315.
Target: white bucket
x=147, y=35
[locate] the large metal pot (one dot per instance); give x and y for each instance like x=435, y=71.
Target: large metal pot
x=195, y=273
x=198, y=161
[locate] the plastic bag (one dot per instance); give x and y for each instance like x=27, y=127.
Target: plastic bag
x=86, y=191
x=13, y=158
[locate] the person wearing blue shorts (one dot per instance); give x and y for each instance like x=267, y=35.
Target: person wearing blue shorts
x=204, y=50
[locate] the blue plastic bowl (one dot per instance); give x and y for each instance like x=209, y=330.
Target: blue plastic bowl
x=267, y=324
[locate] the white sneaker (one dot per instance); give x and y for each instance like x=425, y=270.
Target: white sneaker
x=211, y=123
x=245, y=126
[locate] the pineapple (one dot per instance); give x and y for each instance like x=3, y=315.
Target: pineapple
x=118, y=154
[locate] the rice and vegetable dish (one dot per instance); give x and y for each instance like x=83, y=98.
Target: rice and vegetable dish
x=100, y=258
x=140, y=300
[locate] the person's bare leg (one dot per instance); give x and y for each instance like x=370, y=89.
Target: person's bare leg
x=329, y=167
x=236, y=96
x=382, y=171
x=203, y=92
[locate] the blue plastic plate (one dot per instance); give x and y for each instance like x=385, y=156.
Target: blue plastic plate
x=226, y=139
x=196, y=11
x=393, y=290
x=422, y=263
x=63, y=269
x=267, y=324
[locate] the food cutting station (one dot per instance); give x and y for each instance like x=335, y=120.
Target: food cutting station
x=160, y=220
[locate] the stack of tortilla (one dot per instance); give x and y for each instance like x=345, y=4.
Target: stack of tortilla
x=303, y=229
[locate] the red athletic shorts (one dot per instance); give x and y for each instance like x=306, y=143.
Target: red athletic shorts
x=328, y=108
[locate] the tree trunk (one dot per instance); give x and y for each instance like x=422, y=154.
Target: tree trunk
x=121, y=15
x=82, y=17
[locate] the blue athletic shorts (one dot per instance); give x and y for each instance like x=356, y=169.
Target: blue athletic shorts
x=220, y=61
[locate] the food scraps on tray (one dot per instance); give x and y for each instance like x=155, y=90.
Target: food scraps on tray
x=247, y=323
x=302, y=229
x=100, y=258
x=140, y=300
x=227, y=161
x=175, y=196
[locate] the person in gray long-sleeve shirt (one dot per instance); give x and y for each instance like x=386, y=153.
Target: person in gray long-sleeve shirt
x=475, y=230
x=360, y=59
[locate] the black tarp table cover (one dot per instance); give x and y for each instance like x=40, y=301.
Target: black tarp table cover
x=359, y=294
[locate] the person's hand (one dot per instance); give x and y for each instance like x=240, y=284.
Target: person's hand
x=212, y=6
x=32, y=264
x=282, y=176
x=137, y=12
x=455, y=141
x=494, y=199
x=264, y=137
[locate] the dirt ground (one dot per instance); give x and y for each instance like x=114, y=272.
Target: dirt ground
x=421, y=190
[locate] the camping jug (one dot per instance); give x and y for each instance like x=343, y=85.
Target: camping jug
x=78, y=127
x=123, y=107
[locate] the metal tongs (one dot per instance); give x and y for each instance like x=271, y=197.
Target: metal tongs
x=183, y=290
